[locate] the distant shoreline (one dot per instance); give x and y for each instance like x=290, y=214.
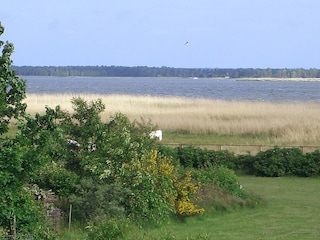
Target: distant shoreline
x=145, y=71
x=215, y=78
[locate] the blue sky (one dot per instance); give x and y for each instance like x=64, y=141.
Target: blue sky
x=221, y=33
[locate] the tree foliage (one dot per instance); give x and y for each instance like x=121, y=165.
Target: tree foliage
x=18, y=163
x=12, y=88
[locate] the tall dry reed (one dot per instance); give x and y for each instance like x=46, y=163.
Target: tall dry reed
x=292, y=122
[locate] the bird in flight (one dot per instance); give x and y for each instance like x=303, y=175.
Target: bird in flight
x=186, y=43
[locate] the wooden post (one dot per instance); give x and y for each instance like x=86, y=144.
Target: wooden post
x=14, y=227
x=301, y=147
x=70, y=211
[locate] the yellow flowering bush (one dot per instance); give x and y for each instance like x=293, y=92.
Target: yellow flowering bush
x=150, y=179
x=185, y=188
x=157, y=189
x=159, y=165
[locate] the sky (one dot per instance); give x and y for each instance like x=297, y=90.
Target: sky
x=154, y=33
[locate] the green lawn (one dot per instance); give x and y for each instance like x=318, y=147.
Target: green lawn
x=292, y=212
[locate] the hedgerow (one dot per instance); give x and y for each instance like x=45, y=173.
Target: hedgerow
x=273, y=162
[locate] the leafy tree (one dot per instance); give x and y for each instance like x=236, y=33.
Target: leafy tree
x=18, y=163
x=16, y=199
x=12, y=88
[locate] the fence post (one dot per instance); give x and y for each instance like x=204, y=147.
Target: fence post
x=14, y=227
x=70, y=217
x=301, y=147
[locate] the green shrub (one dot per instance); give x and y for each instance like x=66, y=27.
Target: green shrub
x=108, y=229
x=190, y=157
x=196, y=157
x=58, y=179
x=93, y=199
x=278, y=162
x=223, y=158
x=244, y=163
x=171, y=152
x=311, y=164
x=272, y=163
x=222, y=177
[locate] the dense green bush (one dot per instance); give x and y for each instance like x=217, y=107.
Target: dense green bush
x=272, y=163
x=222, y=177
x=168, y=151
x=108, y=229
x=192, y=157
x=224, y=158
x=244, y=163
x=93, y=199
x=197, y=157
x=58, y=179
x=278, y=162
x=311, y=165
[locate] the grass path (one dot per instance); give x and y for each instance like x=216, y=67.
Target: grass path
x=292, y=212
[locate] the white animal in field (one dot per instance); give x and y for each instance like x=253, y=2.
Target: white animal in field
x=156, y=134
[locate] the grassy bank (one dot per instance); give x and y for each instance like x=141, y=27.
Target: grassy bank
x=207, y=120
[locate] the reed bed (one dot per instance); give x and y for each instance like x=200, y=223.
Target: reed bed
x=294, y=123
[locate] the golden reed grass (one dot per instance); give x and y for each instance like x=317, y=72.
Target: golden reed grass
x=290, y=122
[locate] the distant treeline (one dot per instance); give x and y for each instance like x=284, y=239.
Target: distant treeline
x=143, y=71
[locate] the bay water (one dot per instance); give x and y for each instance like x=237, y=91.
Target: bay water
x=225, y=89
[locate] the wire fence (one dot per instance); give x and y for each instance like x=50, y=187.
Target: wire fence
x=253, y=149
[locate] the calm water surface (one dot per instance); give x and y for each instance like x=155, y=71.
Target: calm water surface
x=226, y=89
